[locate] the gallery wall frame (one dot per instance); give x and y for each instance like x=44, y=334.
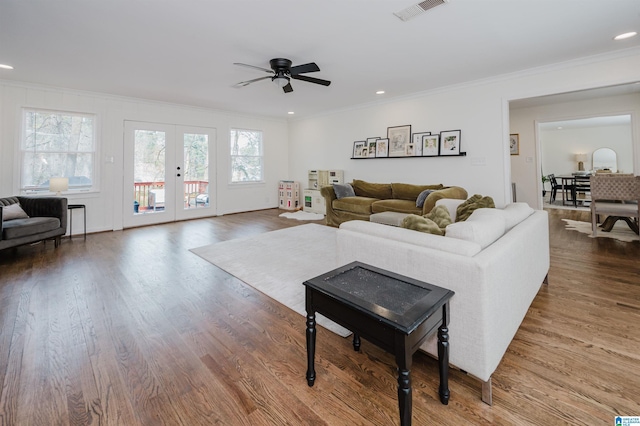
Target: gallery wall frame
x=382, y=148
x=416, y=140
x=371, y=146
x=450, y=142
x=359, y=148
x=399, y=137
x=430, y=145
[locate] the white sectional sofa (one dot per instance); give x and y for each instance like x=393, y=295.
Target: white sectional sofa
x=495, y=262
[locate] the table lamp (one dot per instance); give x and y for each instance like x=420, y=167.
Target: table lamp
x=581, y=158
x=58, y=184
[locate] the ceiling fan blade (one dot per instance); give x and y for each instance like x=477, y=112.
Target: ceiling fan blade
x=248, y=82
x=311, y=79
x=287, y=88
x=299, y=69
x=254, y=67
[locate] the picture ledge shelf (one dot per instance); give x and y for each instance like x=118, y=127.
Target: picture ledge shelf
x=462, y=154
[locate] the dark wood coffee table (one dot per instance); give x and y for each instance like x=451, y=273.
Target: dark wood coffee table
x=392, y=311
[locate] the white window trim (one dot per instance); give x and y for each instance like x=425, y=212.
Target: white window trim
x=232, y=156
x=95, y=179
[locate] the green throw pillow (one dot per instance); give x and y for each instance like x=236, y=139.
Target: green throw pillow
x=441, y=216
x=477, y=201
x=422, y=224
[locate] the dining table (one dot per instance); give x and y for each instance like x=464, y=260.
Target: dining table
x=575, y=183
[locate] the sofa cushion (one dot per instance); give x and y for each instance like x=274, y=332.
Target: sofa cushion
x=421, y=224
x=392, y=205
x=18, y=228
x=381, y=191
x=13, y=211
x=436, y=242
x=343, y=190
x=474, y=202
x=483, y=227
x=361, y=205
x=407, y=191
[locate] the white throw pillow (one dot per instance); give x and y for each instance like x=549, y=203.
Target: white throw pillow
x=484, y=226
x=516, y=213
x=13, y=211
x=451, y=204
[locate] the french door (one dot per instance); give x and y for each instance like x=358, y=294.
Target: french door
x=168, y=173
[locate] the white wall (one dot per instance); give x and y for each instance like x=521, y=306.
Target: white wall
x=105, y=208
x=523, y=121
x=480, y=110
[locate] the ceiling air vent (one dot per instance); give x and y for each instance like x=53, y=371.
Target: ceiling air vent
x=417, y=9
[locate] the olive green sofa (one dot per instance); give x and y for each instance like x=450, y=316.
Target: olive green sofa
x=373, y=198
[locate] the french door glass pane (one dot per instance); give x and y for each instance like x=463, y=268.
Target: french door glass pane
x=196, y=171
x=149, y=171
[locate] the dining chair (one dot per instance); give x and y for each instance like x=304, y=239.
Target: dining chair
x=555, y=187
x=582, y=185
x=617, y=196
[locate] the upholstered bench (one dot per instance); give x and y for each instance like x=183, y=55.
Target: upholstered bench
x=388, y=218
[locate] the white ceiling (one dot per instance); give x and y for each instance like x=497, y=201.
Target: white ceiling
x=182, y=51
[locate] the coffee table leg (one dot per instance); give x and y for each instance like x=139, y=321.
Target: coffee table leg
x=311, y=346
x=356, y=342
x=404, y=361
x=443, y=357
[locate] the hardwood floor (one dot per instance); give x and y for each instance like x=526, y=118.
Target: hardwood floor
x=130, y=328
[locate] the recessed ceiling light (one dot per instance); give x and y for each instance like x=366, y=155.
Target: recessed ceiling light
x=559, y=127
x=6, y=67
x=380, y=92
x=625, y=35
x=291, y=113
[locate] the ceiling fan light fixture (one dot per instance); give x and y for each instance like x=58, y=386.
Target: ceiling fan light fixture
x=281, y=80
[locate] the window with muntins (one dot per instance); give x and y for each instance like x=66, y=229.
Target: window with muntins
x=246, y=156
x=57, y=144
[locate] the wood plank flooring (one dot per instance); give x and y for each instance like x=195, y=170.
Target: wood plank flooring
x=130, y=328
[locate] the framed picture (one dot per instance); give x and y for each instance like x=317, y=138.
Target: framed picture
x=382, y=148
x=411, y=150
x=371, y=144
x=416, y=140
x=514, y=144
x=450, y=142
x=430, y=145
x=399, y=137
x=357, y=148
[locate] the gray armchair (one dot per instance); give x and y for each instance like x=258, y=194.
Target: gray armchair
x=47, y=220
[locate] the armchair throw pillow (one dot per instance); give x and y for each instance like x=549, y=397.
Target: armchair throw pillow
x=13, y=211
x=440, y=215
x=475, y=202
x=421, y=224
x=423, y=196
x=343, y=190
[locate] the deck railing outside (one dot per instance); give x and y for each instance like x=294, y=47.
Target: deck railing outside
x=192, y=188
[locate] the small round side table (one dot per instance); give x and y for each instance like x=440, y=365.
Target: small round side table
x=72, y=207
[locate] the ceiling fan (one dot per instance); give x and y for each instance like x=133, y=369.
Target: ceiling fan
x=281, y=72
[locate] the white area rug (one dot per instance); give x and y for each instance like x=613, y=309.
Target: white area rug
x=620, y=231
x=302, y=215
x=278, y=262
